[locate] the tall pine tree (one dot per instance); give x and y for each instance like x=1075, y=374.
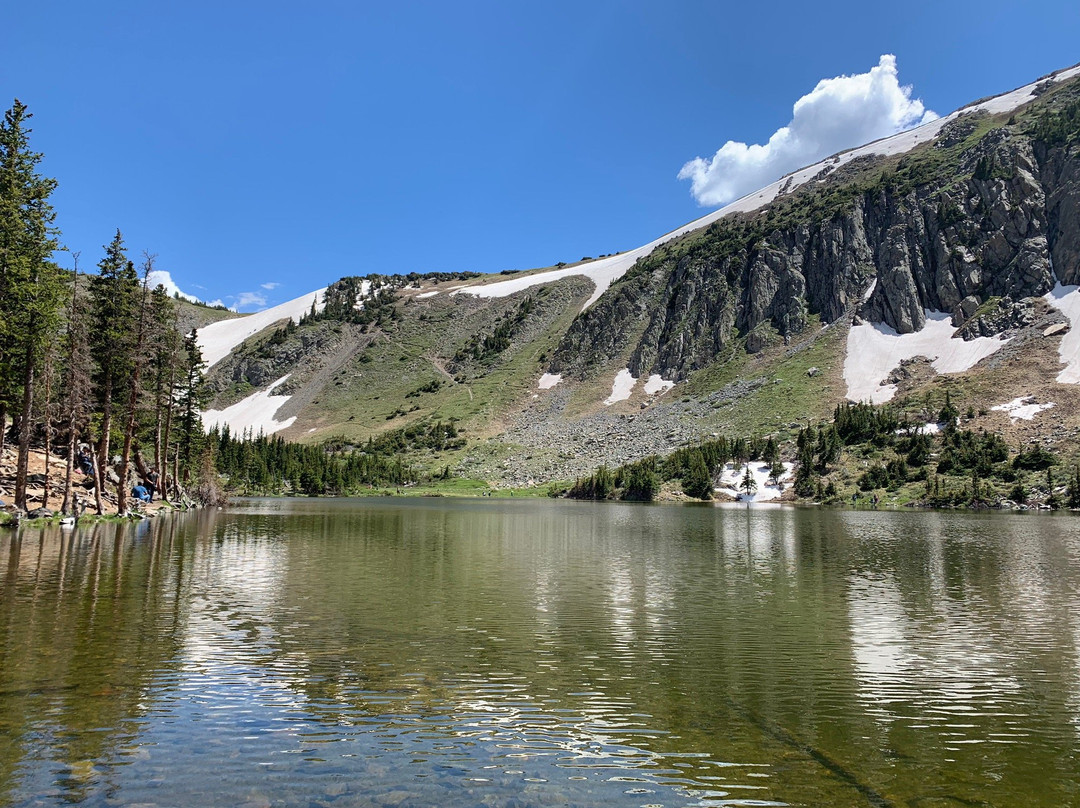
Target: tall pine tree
x=114, y=304
x=30, y=289
x=192, y=396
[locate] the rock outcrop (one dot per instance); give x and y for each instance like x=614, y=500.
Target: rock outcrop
x=971, y=224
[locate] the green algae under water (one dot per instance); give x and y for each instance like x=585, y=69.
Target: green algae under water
x=535, y=653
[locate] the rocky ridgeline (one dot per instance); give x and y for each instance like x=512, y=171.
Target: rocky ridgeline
x=972, y=224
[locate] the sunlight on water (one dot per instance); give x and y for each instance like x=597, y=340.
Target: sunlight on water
x=518, y=654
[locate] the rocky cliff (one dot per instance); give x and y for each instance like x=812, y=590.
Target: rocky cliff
x=982, y=218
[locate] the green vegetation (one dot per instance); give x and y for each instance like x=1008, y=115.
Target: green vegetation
x=1058, y=124
x=485, y=346
x=336, y=467
x=695, y=467
x=958, y=467
x=633, y=482
x=107, y=370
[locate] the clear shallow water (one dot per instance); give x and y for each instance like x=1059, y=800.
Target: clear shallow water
x=462, y=653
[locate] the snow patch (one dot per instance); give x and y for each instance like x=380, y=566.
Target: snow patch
x=549, y=380
x=1023, y=408
x=362, y=295
x=423, y=295
x=605, y=271
x=929, y=428
x=256, y=412
x=731, y=479
x=874, y=351
x=1066, y=299
x=218, y=339
x=621, y=388
x=657, y=384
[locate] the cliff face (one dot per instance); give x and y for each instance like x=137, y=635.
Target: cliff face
x=971, y=224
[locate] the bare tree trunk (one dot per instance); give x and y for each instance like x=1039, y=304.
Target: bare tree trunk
x=158, y=412
x=98, y=479
x=70, y=465
x=25, y=428
x=47, y=420
x=176, y=474
x=69, y=376
x=133, y=396
x=163, y=474
x=103, y=444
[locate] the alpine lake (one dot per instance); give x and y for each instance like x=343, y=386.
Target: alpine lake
x=453, y=652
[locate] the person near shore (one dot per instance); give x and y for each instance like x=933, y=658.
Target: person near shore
x=84, y=462
x=140, y=493
x=151, y=483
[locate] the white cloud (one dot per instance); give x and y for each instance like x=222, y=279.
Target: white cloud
x=270, y=286
x=838, y=114
x=162, y=277
x=250, y=299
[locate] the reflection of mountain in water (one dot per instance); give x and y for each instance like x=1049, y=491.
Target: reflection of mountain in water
x=325, y=650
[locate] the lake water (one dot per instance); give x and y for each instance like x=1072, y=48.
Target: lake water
x=540, y=653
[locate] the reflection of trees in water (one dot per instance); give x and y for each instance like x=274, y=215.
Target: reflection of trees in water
x=962, y=639
x=619, y=620
x=88, y=618
x=746, y=634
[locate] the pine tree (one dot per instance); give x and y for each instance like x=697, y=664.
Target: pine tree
x=1051, y=500
x=138, y=361
x=949, y=414
x=77, y=387
x=698, y=482
x=191, y=398
x=748, y=484
x=776, y=471
x=29, y=280
x=1073, y=491
x=165, y=337
x=113, y=301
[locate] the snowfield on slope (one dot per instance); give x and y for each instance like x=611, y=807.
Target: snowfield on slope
x=218, y=339
x=1023, y=408
x=1066, y=299
x=621, y=387
x=731, y=478
x=256, y=412
x=605, y=271
x=876, y=350
x=625, y=382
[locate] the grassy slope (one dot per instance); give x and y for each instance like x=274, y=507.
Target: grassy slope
x=369, y=397
x=419, y=349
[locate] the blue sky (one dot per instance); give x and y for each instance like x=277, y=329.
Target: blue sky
x=283, y=145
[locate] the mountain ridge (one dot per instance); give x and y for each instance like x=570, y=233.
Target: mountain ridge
x=974, y=221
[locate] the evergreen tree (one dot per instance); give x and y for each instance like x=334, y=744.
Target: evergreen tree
x=166, y=342
x=30, y=286
x=77, y=389
x=776, y=471
x=1052, y=500
x=748, y=484
x=698, y=482
x=138, y=362
x=949, y=414
x=192, y=396
x=806, y=478
x=113, y=310
x=639, y=481
x=1072, y=494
